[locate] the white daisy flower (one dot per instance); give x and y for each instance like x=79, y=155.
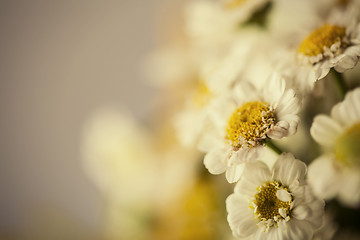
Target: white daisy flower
x=112, y=159
x=204, y=36
x=274, y=204
x=192, y=121
x=337, y=173
x=333, y=44
x=224, y=16
x=245, y=121
x=312, y=46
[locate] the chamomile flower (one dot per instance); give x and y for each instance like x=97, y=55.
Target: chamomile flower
x=337, y=172
x=245, y=121
x=332, y=44
x=274, y=204
x=192, y=120
x=203, y=36
x=112, y=158
x=195, y=214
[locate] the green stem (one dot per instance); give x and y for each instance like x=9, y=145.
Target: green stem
x=273, y=147
x=340, y=82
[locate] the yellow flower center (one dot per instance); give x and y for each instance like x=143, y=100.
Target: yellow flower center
x=268, y=204
x=249, y=124
x=202, y=95
x=232, y=4
x=321, y=38
x=347, y=146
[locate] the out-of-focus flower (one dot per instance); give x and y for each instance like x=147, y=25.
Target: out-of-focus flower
x=119, y=159
x=245, y=121
x=337, y=173
x=211, y=41
x=170, y=65
x=192, y=121
x=333, y=44
x=118, y=156
x=276, y=204
x=178, y=166
x=196, y=214
x=189, y=203
x=143, y=177
x=216, y=96
x=252, y=49
x=287, y=18
x=208, y=40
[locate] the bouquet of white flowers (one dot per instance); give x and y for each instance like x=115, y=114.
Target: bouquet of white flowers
x=263, y=93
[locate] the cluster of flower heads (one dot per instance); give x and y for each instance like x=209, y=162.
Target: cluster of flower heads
x=259, y=67
x=250, y=84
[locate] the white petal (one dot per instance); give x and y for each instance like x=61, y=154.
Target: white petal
x=273, y=234
x=287, y=169
x=246, y=187
x=220, y=109
x=324, y=177
x=243, y=155
x=234, y=173
x=299, y=230
x=301, y=212
x=322, y=69
x=289, y=104
x=283, y=195
x=240, y=217
x=325, y=130
x=257, y=172
x=293, y=121
x=214, y=161
x=189, y=126
x=245, y=92
x=345, y=63
x=280, y=130
x=316, y=208
x=211, y=140
x=349, y=192
x=274, y=89
x=347, y=60
x=328, y=228
x=348, y=111
x=282, y=212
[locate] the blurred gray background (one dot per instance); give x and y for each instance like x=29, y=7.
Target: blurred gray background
x=61, y=60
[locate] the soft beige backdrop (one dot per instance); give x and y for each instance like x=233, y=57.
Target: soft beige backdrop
x=59, y=61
